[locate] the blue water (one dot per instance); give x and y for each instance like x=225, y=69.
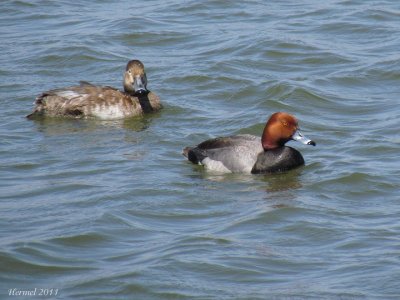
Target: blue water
x=111, y=210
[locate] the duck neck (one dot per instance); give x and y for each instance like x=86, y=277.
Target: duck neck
x=271, y=141
x=145, y=102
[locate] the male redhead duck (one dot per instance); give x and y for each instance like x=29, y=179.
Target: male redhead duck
x=104, y=102
x=245, y=153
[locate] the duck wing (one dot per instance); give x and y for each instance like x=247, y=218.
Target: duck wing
x=68, y=101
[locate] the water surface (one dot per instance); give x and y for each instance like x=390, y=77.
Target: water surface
x=111, y=210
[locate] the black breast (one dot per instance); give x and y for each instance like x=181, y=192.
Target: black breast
x=277, y=160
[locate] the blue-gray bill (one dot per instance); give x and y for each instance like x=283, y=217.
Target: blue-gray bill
x=298, y=136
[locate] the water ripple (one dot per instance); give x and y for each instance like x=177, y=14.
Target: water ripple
x=105, y=210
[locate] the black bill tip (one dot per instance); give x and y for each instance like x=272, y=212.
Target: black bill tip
x=312, y=143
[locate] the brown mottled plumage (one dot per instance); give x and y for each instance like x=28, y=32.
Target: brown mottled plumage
x=88, y=100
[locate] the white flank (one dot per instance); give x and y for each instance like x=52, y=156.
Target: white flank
x=215, y=165
x=108, y=112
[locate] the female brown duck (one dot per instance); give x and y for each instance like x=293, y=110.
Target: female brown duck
x=104, y=102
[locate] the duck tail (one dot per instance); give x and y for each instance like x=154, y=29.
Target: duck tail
x=31, y=116
x=194, y=154
x=36, y=112
x=186, y=151
x=39, y=107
